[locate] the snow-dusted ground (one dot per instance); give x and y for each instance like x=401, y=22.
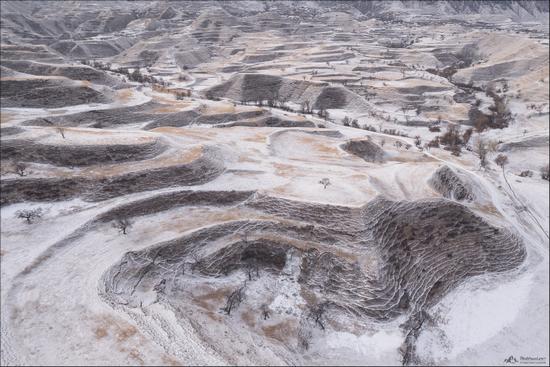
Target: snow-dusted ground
x=52, y=308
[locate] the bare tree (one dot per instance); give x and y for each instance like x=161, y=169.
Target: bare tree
x=317, y=312
x=544, y=172
x=196, y=261
x=160, y=286
x=251, y=268
x=306, y=107
x=325, y=182
x=481, y=149
x=501, y=160
x=265, y=311
x=61, y=131
x=456, y=150
x=526, y=173
x=304, y=335
x=234, y=299
x=20, y=168
x=122, y=224
x=29, y=214
x=467, y=135
x=58, y=128
x=323, y=113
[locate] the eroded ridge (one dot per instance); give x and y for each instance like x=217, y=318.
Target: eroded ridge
x=383, y=260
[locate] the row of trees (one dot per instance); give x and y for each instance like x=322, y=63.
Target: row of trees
x=136, y=75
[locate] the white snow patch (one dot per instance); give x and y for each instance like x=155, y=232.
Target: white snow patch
x=473, y=315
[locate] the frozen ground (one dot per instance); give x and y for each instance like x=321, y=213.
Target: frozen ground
x=218, y=166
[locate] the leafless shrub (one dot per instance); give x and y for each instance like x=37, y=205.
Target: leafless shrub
x=325, y=182
x=29, y=214
x=252, y=269
x=317, y=312
x=306, y=107
x=467, y=135
x=501, y=160
x=122, y=224
x=304, y=335
x=61, y=131
x=452, y=136
x=323, y=113
x=544, y=172
x=526, y=173
x=492, y=145
x=20, y=168
x=160, y=286
x=234, y=299
x=434, y=143
x=265, y=311
x=481, y=150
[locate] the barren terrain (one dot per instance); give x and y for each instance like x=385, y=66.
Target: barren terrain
x=274, y=183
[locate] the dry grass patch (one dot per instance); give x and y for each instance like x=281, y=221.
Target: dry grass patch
x=246, y=158
x=100, y=332
x=257, y=138
x=170, y=361
x=406, y=156
x=171, y=108
x=135, y=354
x=283, y=331
x=202, y=134
x=178, y=158
x=287, y=169
x=106, y=325
x=212, y=298
x=249, y=318
x=220, y=108
x=124, y=95
x=6, y=117
x=489, y=209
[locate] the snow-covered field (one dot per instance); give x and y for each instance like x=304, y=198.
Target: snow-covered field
x=156, y=207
